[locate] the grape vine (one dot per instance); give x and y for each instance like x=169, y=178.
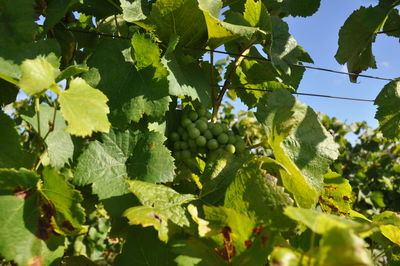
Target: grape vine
x=117, y=146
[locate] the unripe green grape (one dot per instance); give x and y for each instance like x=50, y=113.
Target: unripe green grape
x=174, y=137
x=181, y=130
x=208, y=115
x=186, y=154
x=193, y=115
x=212, y=144
x=201, y=111
x=240, y=145
x=194, y=133
x=192, y=143
x=232, y=139
x=201, y=125
x=202, y=150
x=201, y=141
x=224, y=128
x=183, y=145
x=230, y=148
x=191, y=125
x=223, y=138
x=186, y=122
x=216, y=129
x=177, y=145
x=178, y=155
x=207, y=134
x=203, y=119
x=185, y=135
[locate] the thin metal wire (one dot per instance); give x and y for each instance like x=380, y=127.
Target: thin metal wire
x=312, y=94
x=298, y=65
x=256, y=58
x=236, y=54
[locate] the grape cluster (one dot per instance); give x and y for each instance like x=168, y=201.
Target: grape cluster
x=196, y=135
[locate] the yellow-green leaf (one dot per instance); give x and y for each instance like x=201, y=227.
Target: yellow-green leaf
x=39, y=74
x=84, y=108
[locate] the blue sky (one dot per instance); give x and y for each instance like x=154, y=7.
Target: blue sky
x=319, y=35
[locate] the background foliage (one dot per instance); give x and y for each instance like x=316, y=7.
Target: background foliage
x=120, y=149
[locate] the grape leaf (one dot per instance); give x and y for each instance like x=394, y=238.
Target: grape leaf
x=60, y=147
x=150, y=161
x=356, y=37
x=336, y=198
x=24, y=231
x=11, y=153
x=160, y=204
x=238, y=225
x=187, y=78
x=139, y=249
x=103, y=165
x=284, y=49
x=218, y=174
x=303, y=8
x=196, y=252
x=177, y=17
x=69, y=214
x=39, y=74
x=17, y=21
x=145, y=52
x=389, y=225
x=220, y=32
x=255, y=193
x=132, y=93
x=322, y=223
x=84, y=108
x=306, y=156
x=133, y=11
x=72, y=71
x=392, y=24
x=388, y=113
x=9, y=71
x=55, y=11
x=284, y=256
x=340, y=246
x=8, y=92
x=256, y=14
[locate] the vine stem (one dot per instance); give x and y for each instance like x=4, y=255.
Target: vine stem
x=255, y=146
x=228, y=78
x=51, y=127
x=212, y=78
x=37, y=107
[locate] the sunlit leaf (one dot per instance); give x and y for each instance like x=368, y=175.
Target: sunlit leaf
x=84, y=108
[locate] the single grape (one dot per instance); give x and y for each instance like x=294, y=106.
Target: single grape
x=224, y=128
x=192, y=143
x=174, y=137
x=230, y=148
x=201, y=125
x=181, y=130
x=232, y=139
x=212, y=144
x=207, y=134
x=223, y=138
x=177, y=145
x=183, y=145
x=186, y=155
x=201, y=111
x=201, y=141
x=178, y=155
x=185, y=135
x=208, y=115
x=186, y=122
x=203, y=119
x=240, y=145
x=193, y=133
x=216, y=129
x=193, y=115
